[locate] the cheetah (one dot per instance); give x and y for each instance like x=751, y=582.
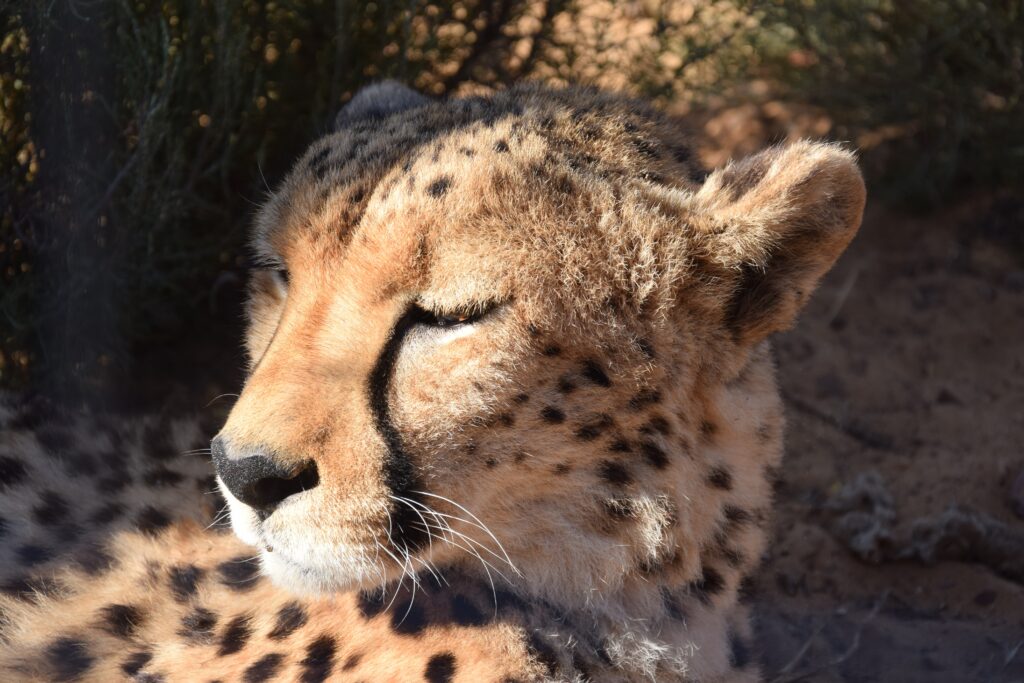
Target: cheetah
x=510, y=415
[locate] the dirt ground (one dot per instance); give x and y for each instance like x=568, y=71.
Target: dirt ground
x=899, y=541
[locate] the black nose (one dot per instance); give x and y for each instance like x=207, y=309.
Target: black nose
x=259, y=481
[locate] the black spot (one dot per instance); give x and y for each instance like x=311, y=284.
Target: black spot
x=408, y=618
x=506, y=420
x=465, y=613
x=439, y=187
x=352, y=661
x=566, y=385
x=198, y=625
x=491, y=463
x=593, y=428
x=672, y=605
x=736, y=516
x=562, y=468
x=739, y=651
x=240, y=574
x=135, y=662
x=120, y=620
x=263, y=669
x=647, y=148
x=93, y=560
x=151, y=520
x=108, y=513
x=27, y=587
x=732, y=557
x=29, y=555
x=552, y=350
x=596, y=374
x=708, y=585
x=655, y=455
x=184, y=580
x=521, y=398
x=161, y=477
x=720, y=478
x=552, y=415
x=319, y=660
x=289, y=618
x=501, y=146
x=52, y=508
x=440, y=668
x=236, y=635
x=620, y=446
x=370, y=602
x=12, y=471
x=614, y=473
x=644, y=398
x=69, y=658
x=652, y=177
x=657, y=424
x=646, y=348
x=708, y=429
x=319, y=157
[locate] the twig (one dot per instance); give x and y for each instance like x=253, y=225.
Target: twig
x=865, y=436
x=854, y=646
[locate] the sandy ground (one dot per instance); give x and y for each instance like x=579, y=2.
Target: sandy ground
x=898, y=554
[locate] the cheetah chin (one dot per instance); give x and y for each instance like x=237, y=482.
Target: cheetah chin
x=510, y=414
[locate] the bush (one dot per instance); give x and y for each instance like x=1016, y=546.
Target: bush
x=930, y=91
x=137, y=136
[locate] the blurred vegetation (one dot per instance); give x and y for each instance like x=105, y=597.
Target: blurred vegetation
x=930, y=90
x=137, y=136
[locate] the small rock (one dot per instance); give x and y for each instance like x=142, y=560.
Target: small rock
x=1017, y=494
x=985, y=598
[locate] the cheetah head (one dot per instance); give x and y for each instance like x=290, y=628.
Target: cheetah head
x=496, y=332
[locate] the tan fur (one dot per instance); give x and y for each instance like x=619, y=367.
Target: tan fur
x=601, y=437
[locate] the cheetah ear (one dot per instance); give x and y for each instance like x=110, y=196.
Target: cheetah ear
x=778, y=220
x=378, y=101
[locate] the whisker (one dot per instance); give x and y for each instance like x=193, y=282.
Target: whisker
x=217, y=398
x=408, y=504
x=478, y=523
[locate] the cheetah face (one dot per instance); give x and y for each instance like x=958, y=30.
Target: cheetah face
x=485, y=330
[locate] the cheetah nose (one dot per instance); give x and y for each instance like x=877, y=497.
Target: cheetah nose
x=258, y=480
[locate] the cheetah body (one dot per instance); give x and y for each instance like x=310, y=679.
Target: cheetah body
x=519, y=346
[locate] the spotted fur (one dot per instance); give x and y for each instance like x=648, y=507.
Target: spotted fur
x=516, y=349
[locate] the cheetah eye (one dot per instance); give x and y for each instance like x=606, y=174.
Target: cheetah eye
x=282, y=274
x=428, y=317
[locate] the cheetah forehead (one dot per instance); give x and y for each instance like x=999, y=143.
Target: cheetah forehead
x=510, y=161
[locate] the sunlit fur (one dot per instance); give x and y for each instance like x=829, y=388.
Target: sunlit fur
x=577, y=248
x=599, y=442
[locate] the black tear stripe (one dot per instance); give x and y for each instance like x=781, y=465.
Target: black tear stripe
x=399, y=475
